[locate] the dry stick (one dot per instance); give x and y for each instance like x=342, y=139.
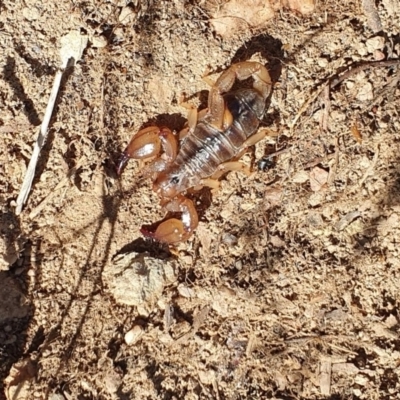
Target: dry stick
x=30, y=173
x=72, y=46
x=333, y=82
x=369, y=64
x=327, y=109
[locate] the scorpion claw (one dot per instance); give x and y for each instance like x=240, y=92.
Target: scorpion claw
x=147, y=143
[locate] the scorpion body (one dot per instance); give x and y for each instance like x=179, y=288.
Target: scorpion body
x=228, y=127
x=206, y=148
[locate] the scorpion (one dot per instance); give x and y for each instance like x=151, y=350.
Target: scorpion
x=210, y=145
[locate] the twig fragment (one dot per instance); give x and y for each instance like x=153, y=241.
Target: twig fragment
x=327, y=108
x=361, y=67
x=325, y=377
x=333, y=169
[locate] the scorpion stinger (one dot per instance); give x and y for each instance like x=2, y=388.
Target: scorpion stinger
x=214, y=138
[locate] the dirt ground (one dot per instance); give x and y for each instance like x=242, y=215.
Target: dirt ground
x=288, y=289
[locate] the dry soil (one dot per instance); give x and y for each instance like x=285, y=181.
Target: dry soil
x=289, y=288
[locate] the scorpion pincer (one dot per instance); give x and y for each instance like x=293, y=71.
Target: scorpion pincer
x=214, y=138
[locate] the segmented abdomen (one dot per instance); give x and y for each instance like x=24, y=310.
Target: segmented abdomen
x=206, y=148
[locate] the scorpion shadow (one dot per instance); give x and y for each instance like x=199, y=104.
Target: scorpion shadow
x=10, y=75
x=268, y=47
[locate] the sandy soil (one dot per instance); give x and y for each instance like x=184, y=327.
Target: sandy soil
x=289, y=287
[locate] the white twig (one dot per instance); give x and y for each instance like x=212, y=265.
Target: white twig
x=30, y=172
x=72, y=46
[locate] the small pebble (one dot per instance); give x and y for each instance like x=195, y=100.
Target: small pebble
x=301, y=177
x=133, y=335
x=186, y=291
x=375, y=43
x=127, y=15
x=229, y=239
x=322, y=62
x=99, y=42
x=379, y=55
x=362, y=49
x=30, y=13
x=365, y=92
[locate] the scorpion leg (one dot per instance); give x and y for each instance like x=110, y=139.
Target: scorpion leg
x=148, y=143
x=173, y=230
x=231, y=166
x=192, y=118
x=211, y=183
x=252, y=140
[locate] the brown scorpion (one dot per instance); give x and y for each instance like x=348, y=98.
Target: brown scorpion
x=214, y=137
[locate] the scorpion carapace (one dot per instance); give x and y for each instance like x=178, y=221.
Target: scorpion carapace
x=214, y=137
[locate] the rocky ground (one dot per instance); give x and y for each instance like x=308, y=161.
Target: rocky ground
x=289, y=287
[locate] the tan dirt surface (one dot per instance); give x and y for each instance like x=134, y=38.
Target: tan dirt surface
x=288, y=289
